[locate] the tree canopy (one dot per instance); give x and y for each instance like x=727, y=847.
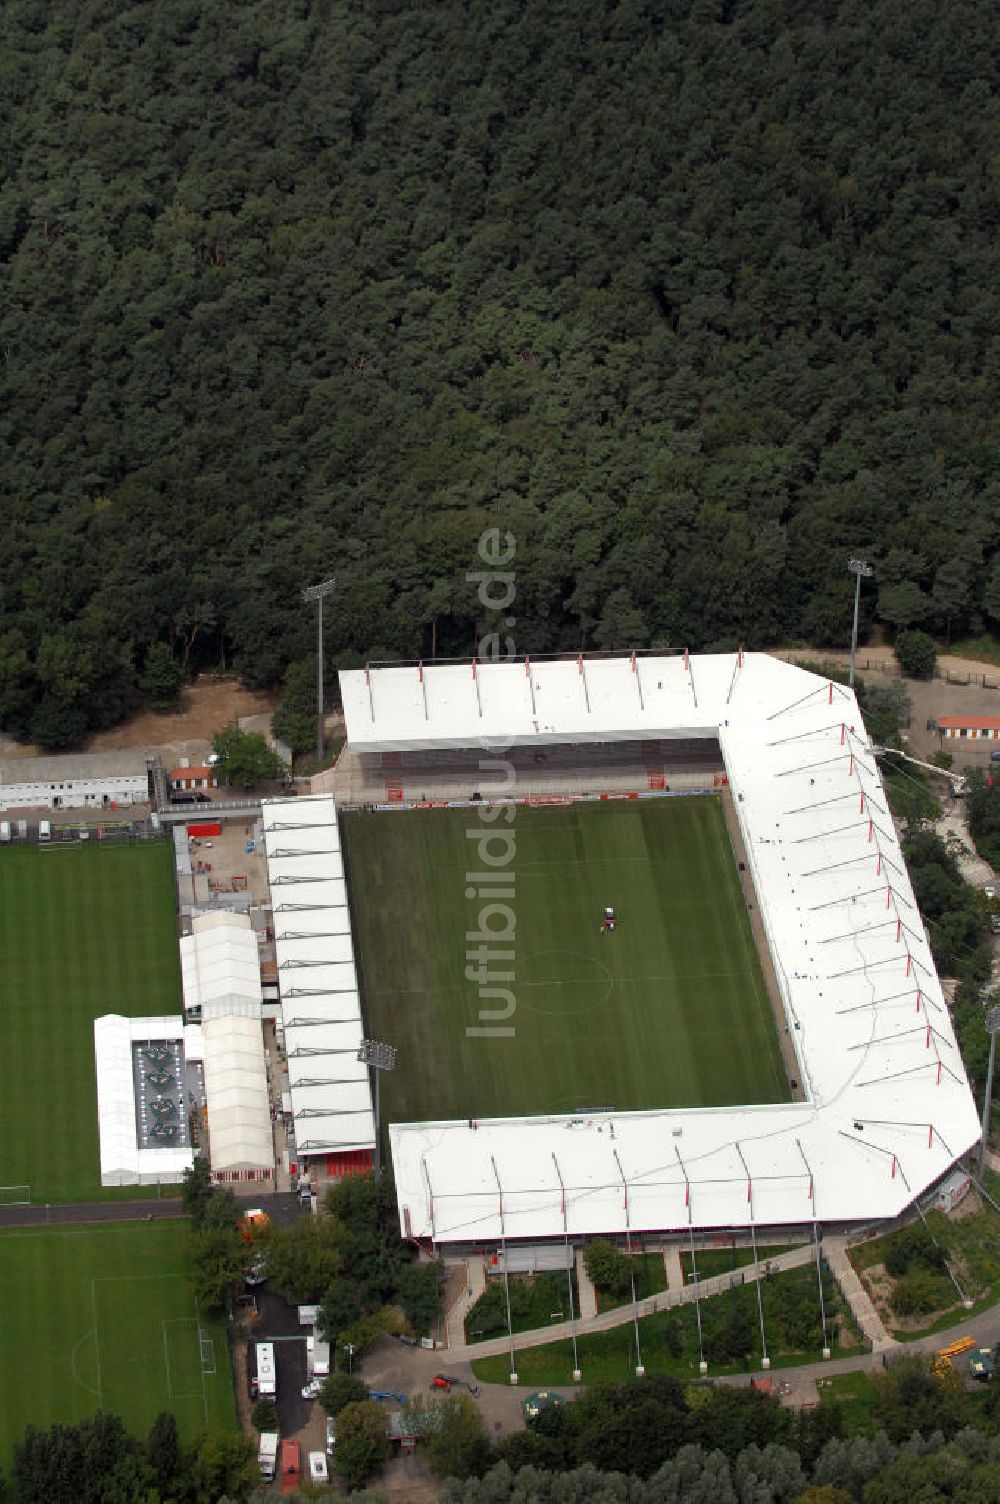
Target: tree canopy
x=698, y=300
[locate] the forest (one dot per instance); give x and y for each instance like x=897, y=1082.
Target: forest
x=694, y=298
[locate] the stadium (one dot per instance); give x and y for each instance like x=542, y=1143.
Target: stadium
x=759, y=1041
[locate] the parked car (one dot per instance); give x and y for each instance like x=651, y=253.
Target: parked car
x=312, y=1389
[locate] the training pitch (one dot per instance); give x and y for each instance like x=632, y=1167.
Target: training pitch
x=84, y=930
x=670, y=1010
x=104, y=1318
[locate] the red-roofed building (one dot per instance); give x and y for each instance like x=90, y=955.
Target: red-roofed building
x=969, y=727
x=184, y=779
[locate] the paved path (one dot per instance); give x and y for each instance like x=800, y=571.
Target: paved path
x=866, y=1317
x=674, y=1267
x=606, y=1321
x=475, y=1285
x=41, y=1214
x=585, y=1289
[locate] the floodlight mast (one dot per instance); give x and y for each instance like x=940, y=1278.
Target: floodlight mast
x=317, y=593
x=861, y=571
x=992, y=1028
x=380, y=1057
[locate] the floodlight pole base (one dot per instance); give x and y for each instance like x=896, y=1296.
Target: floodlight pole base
x=577, y=1375
x=703, y=1367
x=765, y=1362
x=640, y=1372
x=826, y=1352
x=513, y=1377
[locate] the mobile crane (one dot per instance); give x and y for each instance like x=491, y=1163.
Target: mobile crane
x=957, y=780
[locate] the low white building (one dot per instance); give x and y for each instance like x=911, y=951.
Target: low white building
x=125, y=1160
x=78, y=780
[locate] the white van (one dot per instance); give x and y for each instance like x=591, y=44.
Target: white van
x=44, y=830
x=267, y=1386
x=318, y=1470
x=4, y=830
x=320, y=1358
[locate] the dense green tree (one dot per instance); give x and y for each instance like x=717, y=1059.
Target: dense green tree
x=420, y=1287
x=161, y=678
x=342, y=1389
x=245, y=759
x=456, y=1444
x=304, y=1258
x=220, y=1464
x=362, y=1442
x=294, y=290
x=916, y=654
x=607, y=1266
x=294, y=721
x=197, y=1188
x=264, y=1415
x=163, y=1451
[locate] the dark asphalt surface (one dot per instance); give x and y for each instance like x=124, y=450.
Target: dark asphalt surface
x=282, y=1210
x=45, y=1215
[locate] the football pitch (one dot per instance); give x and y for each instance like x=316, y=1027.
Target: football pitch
x=671, y=1010
x=104, y=1318
x=84, y=930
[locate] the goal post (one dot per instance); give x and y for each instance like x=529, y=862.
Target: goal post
x=15, y=1195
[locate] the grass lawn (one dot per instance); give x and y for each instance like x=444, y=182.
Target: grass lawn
x=669, y=1339
x=104, y=1317
x=535, y=1300
x=972, y=1245
x=629, y=1020
x=984, y=648
x=650, y=1276
x=84, y=930
x=854, y=1395
x=712, y=1261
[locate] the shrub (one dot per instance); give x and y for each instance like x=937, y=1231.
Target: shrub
x=917, y=1293
x=608, y=1267
x=913, y=1249
x=916, y=654
x=265, y=1415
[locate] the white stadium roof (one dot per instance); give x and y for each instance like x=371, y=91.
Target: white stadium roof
x=888, y=1106
x=320, y=1005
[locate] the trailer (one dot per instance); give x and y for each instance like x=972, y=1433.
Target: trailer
x=267, y=1455
x=267, y=1384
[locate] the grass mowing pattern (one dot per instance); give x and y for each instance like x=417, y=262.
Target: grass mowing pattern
x=84, y=930
x=670, y=1011
x=128, y=1284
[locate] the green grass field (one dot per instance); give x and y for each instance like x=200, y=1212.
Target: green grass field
x=84, y=930
x=670, y=1343
x=104, y=1317
x=671, y=1010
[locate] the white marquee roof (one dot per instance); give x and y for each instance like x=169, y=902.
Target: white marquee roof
x=320, y=1005
x=889, y=1108
x=220, y=966
x=239, y=1109
x=122, y=1161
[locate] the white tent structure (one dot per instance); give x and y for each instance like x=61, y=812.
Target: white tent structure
x=320, y=1006
x=123, y=1162
x=888, y=1108
x=239, y=1111
x=220, y=968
